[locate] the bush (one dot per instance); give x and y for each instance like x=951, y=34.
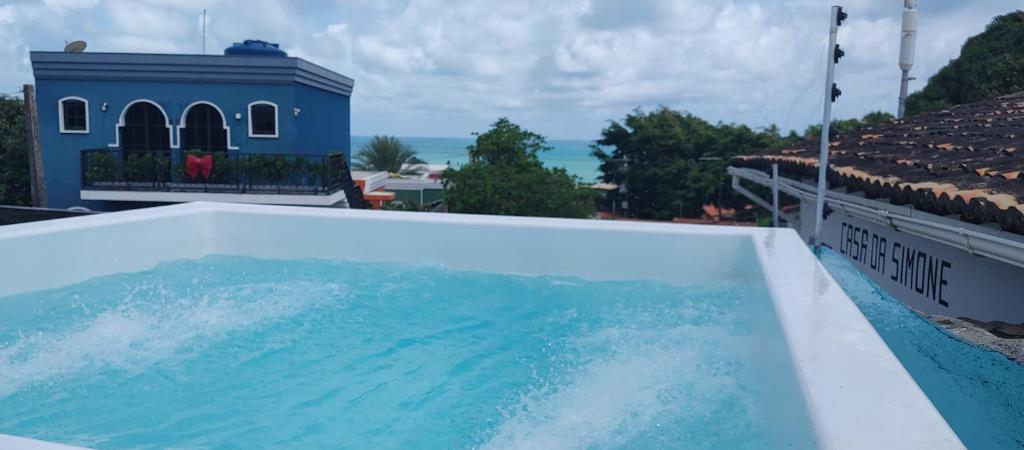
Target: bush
x=268, y=169
x=102, y=167
x=146, y=167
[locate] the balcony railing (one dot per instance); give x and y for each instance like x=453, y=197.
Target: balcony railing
x=217, y=171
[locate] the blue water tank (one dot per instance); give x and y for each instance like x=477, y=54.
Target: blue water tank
x=254, y=47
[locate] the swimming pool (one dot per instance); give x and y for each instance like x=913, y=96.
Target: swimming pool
x=182, y=324
x=979, y=392
x=316, y=353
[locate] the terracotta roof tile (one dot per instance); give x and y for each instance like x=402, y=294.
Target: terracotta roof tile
x=963, y=160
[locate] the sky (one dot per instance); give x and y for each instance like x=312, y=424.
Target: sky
x=560, y=68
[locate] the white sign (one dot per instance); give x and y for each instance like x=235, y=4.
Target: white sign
x=929, y=276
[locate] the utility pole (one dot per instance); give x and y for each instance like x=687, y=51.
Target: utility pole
x=204, y=31
x=831, y=92
x=36, y=179
x=908, y=41
x=775, y=195
x=624, y=188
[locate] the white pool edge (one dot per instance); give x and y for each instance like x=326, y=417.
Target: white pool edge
x=828, y=336
x=857, y=393
x=8, y=442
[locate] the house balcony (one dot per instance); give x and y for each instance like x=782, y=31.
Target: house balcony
x=174, y=176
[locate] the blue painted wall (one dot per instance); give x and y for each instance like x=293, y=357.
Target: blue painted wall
x=323, y=120
x=322, y=125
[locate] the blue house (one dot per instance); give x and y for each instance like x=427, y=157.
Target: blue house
x=122, y=130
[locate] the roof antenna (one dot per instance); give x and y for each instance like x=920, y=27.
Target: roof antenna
x=204, y=31
x=908, y=38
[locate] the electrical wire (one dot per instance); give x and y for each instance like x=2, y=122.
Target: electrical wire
x=817, y=75
x=818, y=108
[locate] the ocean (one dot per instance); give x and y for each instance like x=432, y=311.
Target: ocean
x=573, y=155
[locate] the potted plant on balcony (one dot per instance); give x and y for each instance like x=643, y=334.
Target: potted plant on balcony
x=101, y=167
x=146, y=166
x=268, y=169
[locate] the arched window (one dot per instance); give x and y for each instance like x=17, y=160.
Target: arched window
x=262, y=120
x=73, y=115
x=203, y=128
x=144, y=126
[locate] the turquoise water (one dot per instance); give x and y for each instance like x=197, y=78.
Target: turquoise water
x=230, y=352
x=980, y=393
x=573, y=155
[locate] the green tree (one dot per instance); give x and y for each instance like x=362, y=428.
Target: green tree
x=386, y=153
x=505, y=176
x=672, y=163
x=14, y=173
x=990, y=64
x=876, y=118
x=848, y=126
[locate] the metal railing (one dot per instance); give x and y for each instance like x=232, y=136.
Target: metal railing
x=214, y=171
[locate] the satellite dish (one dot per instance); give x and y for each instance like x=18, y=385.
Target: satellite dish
x=74, y=47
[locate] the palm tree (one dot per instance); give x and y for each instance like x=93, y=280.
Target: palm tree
x=389, y=154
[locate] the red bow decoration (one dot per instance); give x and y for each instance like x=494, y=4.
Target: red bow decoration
x=195, y=165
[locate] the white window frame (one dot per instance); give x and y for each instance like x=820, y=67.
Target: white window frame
x=60, y=115
x=184, y=115
x=120, y=122
x=277, y=121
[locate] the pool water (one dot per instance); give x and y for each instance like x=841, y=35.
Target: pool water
x=232, y=352
x=979, y=392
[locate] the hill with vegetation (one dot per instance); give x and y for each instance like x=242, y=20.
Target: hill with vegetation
x=990, y=64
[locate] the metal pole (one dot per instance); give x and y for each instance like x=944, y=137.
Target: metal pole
x=775, y=195
x=204, y=31
x=908, y=42
x=904, y=81
x=826, y=122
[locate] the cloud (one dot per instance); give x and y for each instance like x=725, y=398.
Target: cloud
x=6, y=15
x=375, y=52
x=431, y=67
x=61, y=5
